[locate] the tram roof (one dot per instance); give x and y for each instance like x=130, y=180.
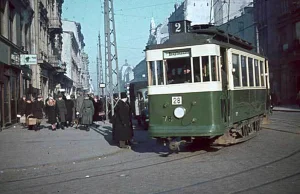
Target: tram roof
x=205, y=36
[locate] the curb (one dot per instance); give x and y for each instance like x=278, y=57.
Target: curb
x=286, y=110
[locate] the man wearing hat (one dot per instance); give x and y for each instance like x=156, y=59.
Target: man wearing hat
x=37, y=108
x=87, y=112
x=122, y=129
x=62, y=111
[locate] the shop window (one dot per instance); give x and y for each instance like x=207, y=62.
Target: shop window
x=244, y=71
x=2, y=10
x=251, y=72
x=11, y=16
x=236, y=70
x=256, y=72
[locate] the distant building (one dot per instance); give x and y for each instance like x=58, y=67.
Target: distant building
x=220, y=10
x=279, y=29
x=74, y=57
x=126, y=75
x=242, y=26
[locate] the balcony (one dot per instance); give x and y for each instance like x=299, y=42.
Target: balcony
x=57, y=64
x=55, y=24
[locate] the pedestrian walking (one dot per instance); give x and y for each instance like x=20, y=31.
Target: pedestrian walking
x=87, y=112
x=73, y=109
x=122, y=122
x=37, y=109
x=98, y=109
x=79, y=102
x=69, y=106
x=62, y=111
x=21, y=109
x=29, y=111
x=52, y=112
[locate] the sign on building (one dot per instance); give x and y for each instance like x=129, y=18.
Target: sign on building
x=28, y=59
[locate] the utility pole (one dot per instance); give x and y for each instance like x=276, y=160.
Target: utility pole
x=100, y=64
x=111, y=56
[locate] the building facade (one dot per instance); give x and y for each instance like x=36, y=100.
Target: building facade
x=74, y=57
x=126, y=75
x=243, y=26
x=48, y=74
x=222, y=9
x=278, y=26
x=15, y=34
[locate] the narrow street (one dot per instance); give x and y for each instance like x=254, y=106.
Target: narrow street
x=74, y=161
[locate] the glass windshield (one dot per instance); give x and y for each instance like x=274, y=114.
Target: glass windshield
x=183, y=70
x=178, y=71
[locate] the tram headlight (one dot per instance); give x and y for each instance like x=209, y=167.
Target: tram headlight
x=179, y=112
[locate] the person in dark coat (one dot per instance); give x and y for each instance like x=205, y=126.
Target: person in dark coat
x=52, y=112
x=61, y=110
x=87, y=112
x=98, y=109
x=29, y=111
x=22, y=105
x=74, y=109
x=37, y=109
x=122, y=122
x=79, y=102
x=69, y=106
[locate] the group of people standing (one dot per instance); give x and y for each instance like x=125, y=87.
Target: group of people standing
x=64, y=111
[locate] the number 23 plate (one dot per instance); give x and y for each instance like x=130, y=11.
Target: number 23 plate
x=176, y=100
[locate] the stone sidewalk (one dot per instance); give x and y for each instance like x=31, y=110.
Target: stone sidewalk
x=21, y=148
x=292, y=108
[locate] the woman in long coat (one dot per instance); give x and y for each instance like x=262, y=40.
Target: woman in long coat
x=22, y=105
x=29, y=111
x=61, y=110
x=122, y=122
x=98, y=109
x=37, y=110
x=69, y=106
x=52, y=112
x=87, y=112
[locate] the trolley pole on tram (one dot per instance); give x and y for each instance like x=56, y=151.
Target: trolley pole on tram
x=111, y=55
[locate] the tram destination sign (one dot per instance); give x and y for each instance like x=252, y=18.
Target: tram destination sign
x=177, y=53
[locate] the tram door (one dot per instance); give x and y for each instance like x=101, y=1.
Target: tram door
x=225, y=101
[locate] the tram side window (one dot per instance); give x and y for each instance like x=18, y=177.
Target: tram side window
x=215, y=68
x=205, y=69
x=262, y=73
x=160, y=72
x=256, y=72
x=236, y=72
x=244, y=71
x=152, y=73
x=197, y=72
x=250, y=67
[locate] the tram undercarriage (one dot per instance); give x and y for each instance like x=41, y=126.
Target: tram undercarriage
x=235, y=134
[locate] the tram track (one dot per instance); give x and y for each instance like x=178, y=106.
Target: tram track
x=103, y=173
x=178, y=189
x=109, y=172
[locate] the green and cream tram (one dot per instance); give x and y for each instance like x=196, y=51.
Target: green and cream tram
x=205, y=84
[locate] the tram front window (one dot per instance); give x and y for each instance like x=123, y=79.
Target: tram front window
x=178, y=71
